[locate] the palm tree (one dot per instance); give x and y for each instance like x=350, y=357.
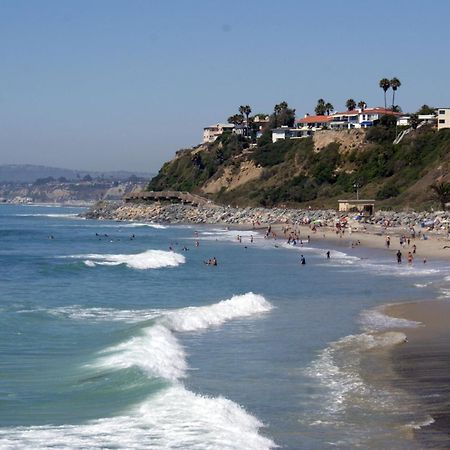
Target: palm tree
x=350, y=104
x=442, y=192
x=362, y=105
x=394, y=84
x=385, y=84
x=236, y=119
x=329, y=107
x=245, y=110
x=320, y=108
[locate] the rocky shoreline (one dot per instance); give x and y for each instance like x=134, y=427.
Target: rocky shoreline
x=176, y=213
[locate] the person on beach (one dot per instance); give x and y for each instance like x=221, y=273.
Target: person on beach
x=410, y=258
x=414, y=249
x=388, y=241
x=399, y=257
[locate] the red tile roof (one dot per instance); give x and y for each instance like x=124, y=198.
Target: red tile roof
x=381, y=111
x=315, y=119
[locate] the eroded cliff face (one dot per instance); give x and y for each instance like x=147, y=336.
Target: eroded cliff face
x=232, y=177
x=314, y=171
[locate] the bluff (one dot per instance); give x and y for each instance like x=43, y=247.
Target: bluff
x=314, y=171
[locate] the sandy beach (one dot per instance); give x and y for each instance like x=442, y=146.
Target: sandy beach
x=432, y=248
x=422, y=366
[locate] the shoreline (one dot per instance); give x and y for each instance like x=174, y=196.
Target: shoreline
x=422, y=365
x=318, y=224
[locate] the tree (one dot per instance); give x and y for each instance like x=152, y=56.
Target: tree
x=245, y=110
x=414, y=121
x=329, y=107
x=283, y=115
x=320, y=108
x=394, y=84
x=350, y=104
x=425, y=109
x=236, y=119
x=385, y=84
x=362, y=104
x=442, y=192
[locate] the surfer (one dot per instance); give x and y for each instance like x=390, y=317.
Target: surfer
x=302, y=260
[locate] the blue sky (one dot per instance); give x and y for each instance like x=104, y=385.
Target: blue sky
x=105, y=84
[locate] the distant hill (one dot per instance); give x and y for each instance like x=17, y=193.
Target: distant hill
x=28, y=173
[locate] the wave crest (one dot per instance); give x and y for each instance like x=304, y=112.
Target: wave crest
x=157, y=351
x=150, y=259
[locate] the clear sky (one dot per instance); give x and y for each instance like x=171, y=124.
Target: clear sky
x=108, y=84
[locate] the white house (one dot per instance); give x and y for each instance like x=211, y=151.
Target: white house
x=281, y=133
x=406, y=120
x=211, y=133
x=359, y=118
x=443, y=117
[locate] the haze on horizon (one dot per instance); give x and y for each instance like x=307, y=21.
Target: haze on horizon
x=111, y=85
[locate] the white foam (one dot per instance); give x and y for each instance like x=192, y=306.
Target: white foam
x=150, y=259
x=71, y=215
x=202, y=317
x=76, y=312
x=421, y=424
x=338, y=369
x=173, y=418
x=156, y=350
x=376, y=319
x=139, y=224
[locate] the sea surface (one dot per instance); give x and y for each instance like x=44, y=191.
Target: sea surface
x=118, y=335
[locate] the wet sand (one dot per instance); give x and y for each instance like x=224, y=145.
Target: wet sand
x=422, y=366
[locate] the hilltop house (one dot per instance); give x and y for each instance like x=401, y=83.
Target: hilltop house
x=406, y=120
x=211, y=133
x=359, y=118
x=443, y=118
x=313, y=123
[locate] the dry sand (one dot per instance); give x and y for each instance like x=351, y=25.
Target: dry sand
x=375, y=237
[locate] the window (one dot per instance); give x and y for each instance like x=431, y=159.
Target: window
x=441, y=120
x=442, y=111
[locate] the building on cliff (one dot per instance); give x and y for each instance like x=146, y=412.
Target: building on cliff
x=443, y=118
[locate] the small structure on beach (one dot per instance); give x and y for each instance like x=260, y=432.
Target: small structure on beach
x=364, y=207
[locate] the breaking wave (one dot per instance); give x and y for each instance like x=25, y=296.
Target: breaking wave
x=150, y=259
x=157, y=351
x=173, y=417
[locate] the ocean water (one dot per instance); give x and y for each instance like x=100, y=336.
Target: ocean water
x=114, y=335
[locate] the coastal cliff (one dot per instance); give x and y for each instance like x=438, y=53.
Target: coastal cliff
x=314, y=171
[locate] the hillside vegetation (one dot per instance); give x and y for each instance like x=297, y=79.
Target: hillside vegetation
x=300, y=172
